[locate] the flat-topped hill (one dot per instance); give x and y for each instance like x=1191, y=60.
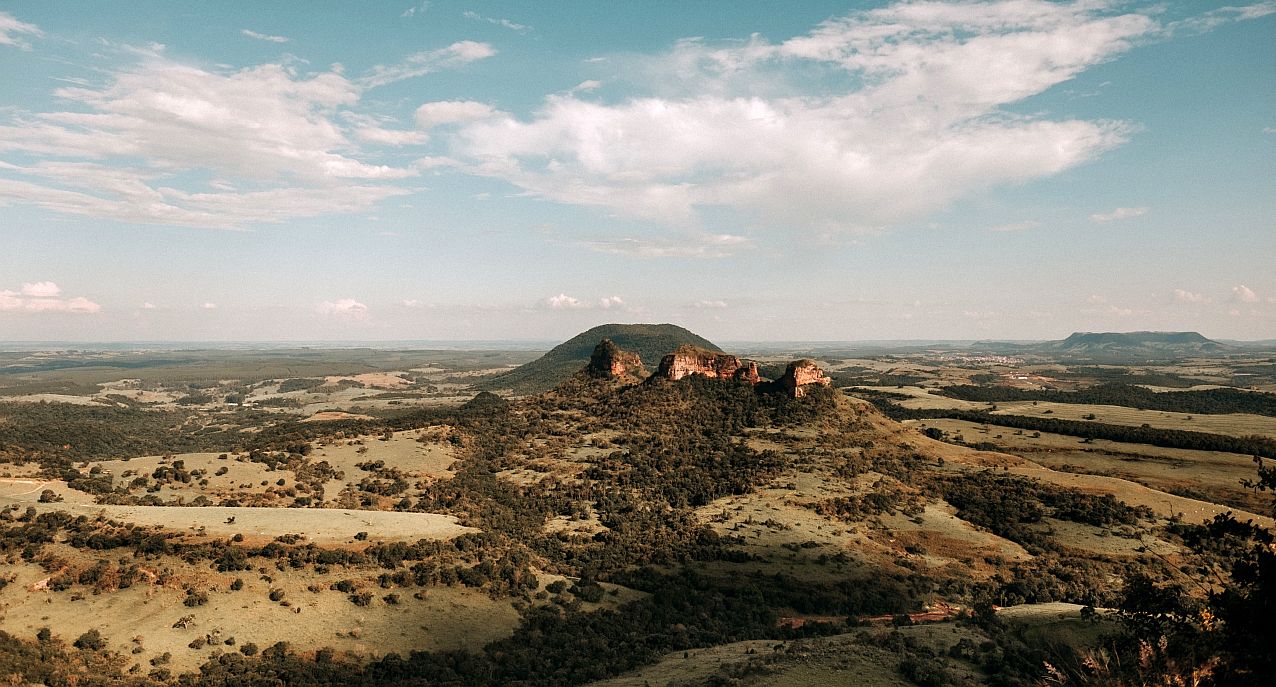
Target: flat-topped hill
x=1136, y=343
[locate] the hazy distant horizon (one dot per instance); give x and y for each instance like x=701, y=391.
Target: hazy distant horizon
x=495, y=344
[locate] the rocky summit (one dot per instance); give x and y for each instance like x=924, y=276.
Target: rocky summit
x=801, y=374
x=608, y=361
x=692, y=360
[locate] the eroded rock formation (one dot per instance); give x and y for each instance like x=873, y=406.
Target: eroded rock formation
x=608, y=361
x=689, y=360
x=800, y=375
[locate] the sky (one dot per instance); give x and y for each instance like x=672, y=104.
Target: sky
x=754, y=171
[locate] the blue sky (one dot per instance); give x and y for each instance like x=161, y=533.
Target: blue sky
x=751, y=170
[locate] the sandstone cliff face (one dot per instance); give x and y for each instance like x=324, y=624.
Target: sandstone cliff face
x=689, y=360
x=610, y=362
x=801, y=374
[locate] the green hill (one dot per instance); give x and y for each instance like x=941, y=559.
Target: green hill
x=650, y=341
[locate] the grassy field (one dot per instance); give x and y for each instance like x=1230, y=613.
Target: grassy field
x=1213, y=474
x=1232, y=424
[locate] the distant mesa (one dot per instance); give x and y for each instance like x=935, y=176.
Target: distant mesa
x=1136, y=343
x=650, y=342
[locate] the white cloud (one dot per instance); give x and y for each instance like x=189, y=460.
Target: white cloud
x=415, y=10
x=564, y=302
x=148, y=306
x=1244, y=294
x=41, y=289
x=1183, y=296
x=12, y=29
x=925, y=123
x=690, y=246
x=264, y=36
x=442, y=112
x=505, y=23
x=114, y=153
x=391, y=137
x=586, y=86
x=1016, y=226
x=428, y=61
x=44, y=296
x=209, y=306
x=347, y=308
x=412, y=303
x=710, y=304
x=1118, y=214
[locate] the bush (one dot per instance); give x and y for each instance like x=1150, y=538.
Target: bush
x=90, y=641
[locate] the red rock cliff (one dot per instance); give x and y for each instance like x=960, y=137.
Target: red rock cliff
x=609, y=361
x=689, y=360
x=800, y=374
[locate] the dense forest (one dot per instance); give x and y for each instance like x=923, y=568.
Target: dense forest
x=1201, y=401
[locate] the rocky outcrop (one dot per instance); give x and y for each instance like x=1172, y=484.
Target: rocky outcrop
x=608, y=361
x=748, y=372
x=800, y=375
x=689, y=360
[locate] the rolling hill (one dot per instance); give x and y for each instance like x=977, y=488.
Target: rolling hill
x=650, y=341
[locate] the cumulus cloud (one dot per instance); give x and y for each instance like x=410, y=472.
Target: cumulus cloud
x=610, y=302
x=1244, y=294
x=1184, y=296
x=347, y=308
x=713, y=304
x=42, y=297
x=12, y=31
x=923, y=120
x=564, y=302
x=1117, y=214
x=426, y=62
x=264, y=36
x=209, y=306
x=40, y=289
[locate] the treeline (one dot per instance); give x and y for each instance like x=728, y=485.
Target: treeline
x=1203, y=401
x=1153, y=436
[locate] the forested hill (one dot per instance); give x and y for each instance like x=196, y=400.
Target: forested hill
x=650, y=341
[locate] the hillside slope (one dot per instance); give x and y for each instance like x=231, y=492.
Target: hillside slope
x=650, y=341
